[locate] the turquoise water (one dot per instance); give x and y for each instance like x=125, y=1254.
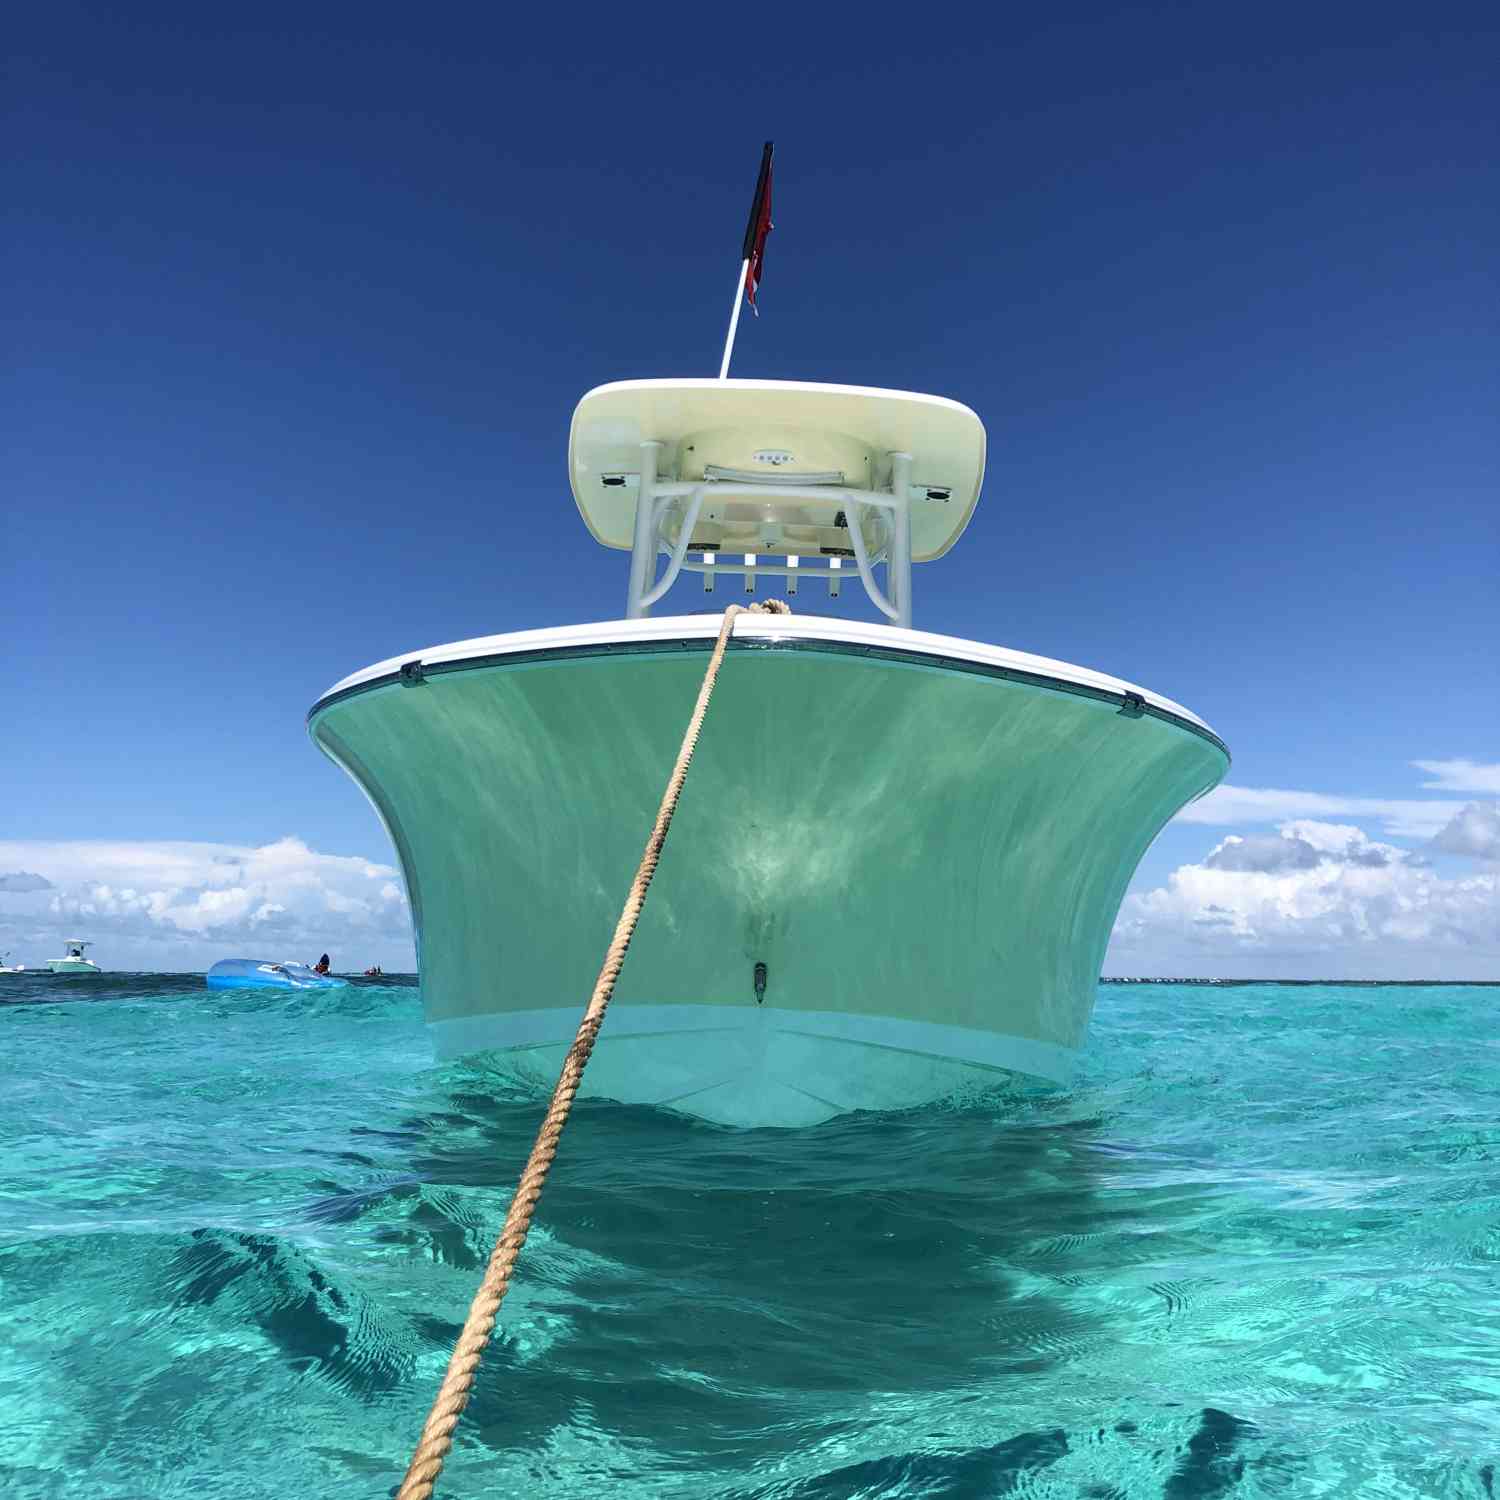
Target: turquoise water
x=1254, y=1251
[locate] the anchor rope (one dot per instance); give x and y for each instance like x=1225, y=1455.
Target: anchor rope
x=458, y=1382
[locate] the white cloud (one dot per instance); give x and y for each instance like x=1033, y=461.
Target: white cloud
x=1264, y=852
x=1461, y=776
x=1315, y=900
x=176, y=905
x=1230, y=806
x=1474, y=831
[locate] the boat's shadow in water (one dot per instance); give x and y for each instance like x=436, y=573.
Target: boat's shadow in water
x=725, y=1300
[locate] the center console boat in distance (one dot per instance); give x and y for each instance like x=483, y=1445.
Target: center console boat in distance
x=74, y=959
x=897, y=860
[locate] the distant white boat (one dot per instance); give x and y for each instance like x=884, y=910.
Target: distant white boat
x=73, y=962
x=899, y=855
x=10, y=968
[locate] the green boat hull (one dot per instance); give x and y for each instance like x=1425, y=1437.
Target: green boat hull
x=920, y=856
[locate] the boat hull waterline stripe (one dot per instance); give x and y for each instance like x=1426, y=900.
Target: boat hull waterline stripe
x=800, y=1066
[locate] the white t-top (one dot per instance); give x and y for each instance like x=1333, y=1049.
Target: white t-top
x=773, y=431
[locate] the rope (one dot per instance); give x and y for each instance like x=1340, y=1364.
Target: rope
x=453, y=1395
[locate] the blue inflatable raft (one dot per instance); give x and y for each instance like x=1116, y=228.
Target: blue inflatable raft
x=249, y=974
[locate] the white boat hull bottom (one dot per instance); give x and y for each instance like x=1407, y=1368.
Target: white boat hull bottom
x=73, y=966
x=753, y=1065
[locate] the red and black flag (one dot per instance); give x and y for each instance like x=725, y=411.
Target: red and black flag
x=758, y=228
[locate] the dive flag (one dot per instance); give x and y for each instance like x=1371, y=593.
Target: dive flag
x=758, y=228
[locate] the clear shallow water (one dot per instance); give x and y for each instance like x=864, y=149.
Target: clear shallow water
x=1255, y=1251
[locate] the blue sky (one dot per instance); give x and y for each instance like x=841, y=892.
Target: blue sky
x=303, y=302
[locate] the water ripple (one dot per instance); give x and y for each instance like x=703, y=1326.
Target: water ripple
x=1251, y=1253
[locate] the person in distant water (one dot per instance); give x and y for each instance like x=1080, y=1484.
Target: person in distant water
x=321, y=967
x=375, y=972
